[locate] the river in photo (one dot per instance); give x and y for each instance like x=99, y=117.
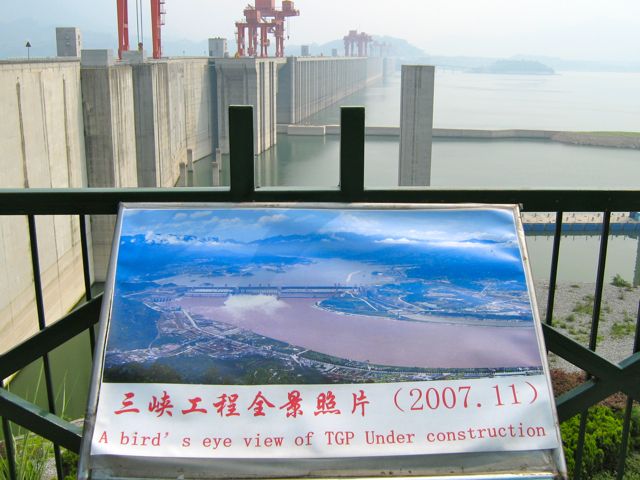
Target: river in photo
x=382, y=340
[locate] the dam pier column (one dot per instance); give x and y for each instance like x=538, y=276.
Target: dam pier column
x=172, y=102
x=110, y=139
x=247, y=81
x=416, y=125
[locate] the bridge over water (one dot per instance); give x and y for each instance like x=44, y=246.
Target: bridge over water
x=289, y=291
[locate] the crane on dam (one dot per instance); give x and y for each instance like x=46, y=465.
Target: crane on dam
x=157, y=21
x=357, y=40
x=264, y=18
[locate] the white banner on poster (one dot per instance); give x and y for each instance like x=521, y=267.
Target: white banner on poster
x=312, y=421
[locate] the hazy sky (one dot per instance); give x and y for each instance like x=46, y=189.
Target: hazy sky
x=572, y=29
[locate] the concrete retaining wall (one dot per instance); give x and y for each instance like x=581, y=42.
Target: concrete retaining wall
x=307, y=85
x=42, y=147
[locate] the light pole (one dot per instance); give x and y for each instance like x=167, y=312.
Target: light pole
x=28, y=45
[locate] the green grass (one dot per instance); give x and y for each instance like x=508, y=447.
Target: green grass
x=586, y=306
x=32, y=455
x=620, y=282
x=623, y=328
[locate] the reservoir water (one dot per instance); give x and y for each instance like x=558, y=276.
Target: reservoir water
x=566, y=101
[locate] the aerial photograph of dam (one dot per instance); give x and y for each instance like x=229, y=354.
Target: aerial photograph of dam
x=249, y=296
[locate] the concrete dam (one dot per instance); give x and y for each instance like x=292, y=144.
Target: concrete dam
x=95, y=122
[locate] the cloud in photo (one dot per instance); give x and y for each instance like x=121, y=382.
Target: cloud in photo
x=201, y=214
x=276, y=218
x=241, y=306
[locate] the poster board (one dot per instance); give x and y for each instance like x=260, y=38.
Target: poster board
x=324, y=340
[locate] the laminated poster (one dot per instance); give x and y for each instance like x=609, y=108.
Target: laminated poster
x=250, y=332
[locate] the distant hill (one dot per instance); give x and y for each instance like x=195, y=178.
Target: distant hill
x=557, y=64
x=516, y=67
x=399, y=47
x=582, y=65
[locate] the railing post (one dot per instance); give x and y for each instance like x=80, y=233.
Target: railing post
x=352, y=137
x=593, y=337
x=37, y=282
x=626, y=425
x=553, y=274
x=9, y=447
x=84, y=240
x=241, y=153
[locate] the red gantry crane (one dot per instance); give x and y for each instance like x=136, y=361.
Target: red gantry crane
x=359, y=40
x=157, y=20
x=262, y=20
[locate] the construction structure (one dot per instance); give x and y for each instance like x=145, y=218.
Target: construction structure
x=266, y=19
x=68, y=42
x=357, y=44
x=157, y=20
x=381, y=49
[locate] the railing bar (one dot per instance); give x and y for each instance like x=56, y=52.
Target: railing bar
x=9, y=446
x=577, y=471
x=597, y=301
x=241, y=153
x=51, y=337
x=88, y=295
x=352, y=141
x=58, y=457
x=553, y=276
x=626, y=427
x=106, y=200
x=40, y=421
x=595, y=320
x=576, y=353
x=37, y=282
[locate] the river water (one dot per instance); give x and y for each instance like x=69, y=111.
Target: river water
x=566, y=101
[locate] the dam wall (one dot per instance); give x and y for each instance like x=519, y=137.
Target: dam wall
x=246, y=81
x=172, y=106
x=142, y=120
x=42, y=145
x=307, y=85
x=99, y=123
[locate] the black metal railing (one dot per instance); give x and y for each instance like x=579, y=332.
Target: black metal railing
x=604, y=377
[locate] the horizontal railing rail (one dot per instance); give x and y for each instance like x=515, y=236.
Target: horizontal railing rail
x=104, y=201
x=605, y=377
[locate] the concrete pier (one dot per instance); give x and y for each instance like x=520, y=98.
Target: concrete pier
x=107, y=97
x=308, y=85
x=416, y=125
x=247, y=81
x=108, y=105
x=172, y=103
